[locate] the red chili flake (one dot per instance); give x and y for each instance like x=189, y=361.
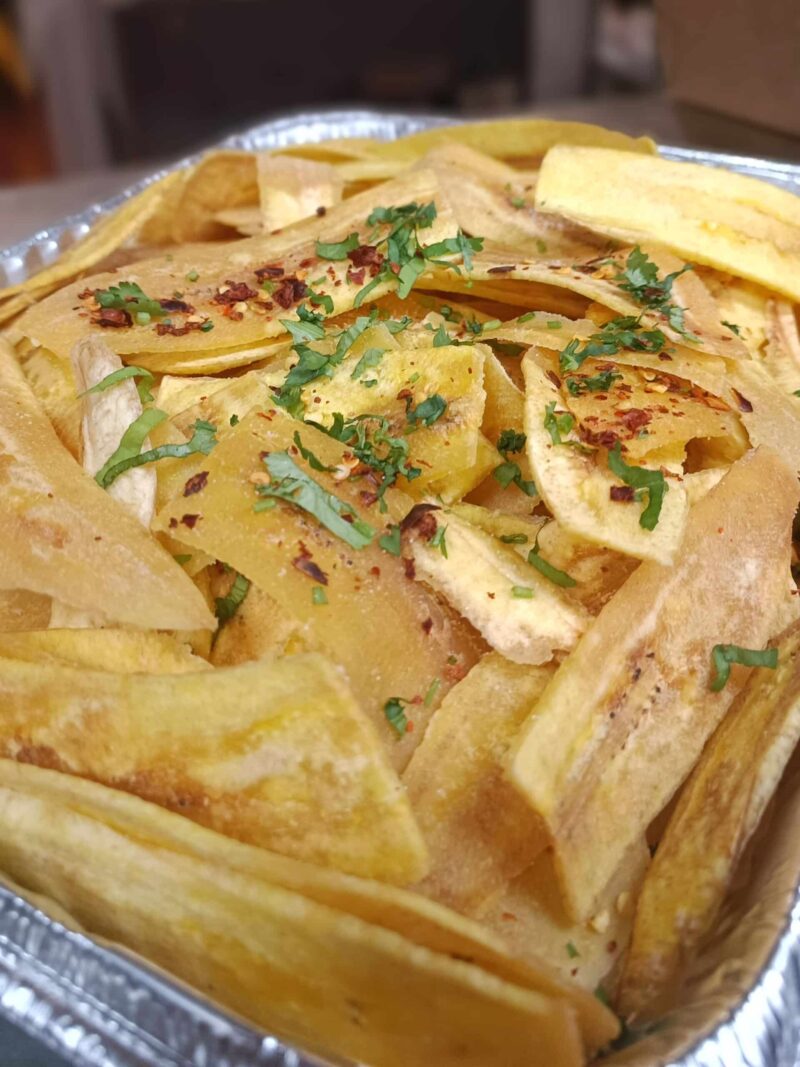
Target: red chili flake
x=367, y=498
x=230, y=312
x=164, y=328
x=554, y=378
x=196, y=483
x=611, y=946
x=742, y=401
x=173, y=524
x=405, y=394
x=622, y=494
x=87, y=294
x=306, y=263
x=190, y=520
x=409, y=568
x=375, y=572
x=115, y=317
x=427, y=625
x=501, y=270
x=491, y=596
x=289, y=292
x=356, y=277
x=270, y=270
x=366, y=256
x=603, y=438
x=306, y=565
x=508, y=917
x=321, y=211
x=235, y=293
x=172, y=304
x=634, y=418
x=664, y=357
x=421, y=520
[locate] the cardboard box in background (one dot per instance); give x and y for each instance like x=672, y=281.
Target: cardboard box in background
x=738, y=57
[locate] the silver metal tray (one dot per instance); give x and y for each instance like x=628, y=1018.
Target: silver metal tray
x=100, y=1006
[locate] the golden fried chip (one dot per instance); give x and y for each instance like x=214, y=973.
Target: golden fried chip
x=480, y=833
x=415, y=917
x=304, y=971
x=709, y=214
x=717, y=814
x=630, y=709
x=371, y=600
x=119, y=651
x=276, y=753
x=63, y=536
x=294, y=189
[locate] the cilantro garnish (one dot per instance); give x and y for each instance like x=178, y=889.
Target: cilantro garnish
x=129, y=297
x=369, y=439
x=441, y=338
x=509, y=472
x=370, y=359
x=428, y=412
x=572, y=952
x=652, y=482
x=291, y=484
x=619, y=333
x=514, y=539
x=722, y=656
x=225, y=607
x=556, y=425
x=553, y=574
x=337, y=250
x=318, y=596
x=395, y=715
x=121, y=375
x=312, y=364
x=129, y=454
x=438, y=540
x=321, y=300
x=395, y=326
x=639, y=277
x=314, y=463
x=522, y=592
x=307, y=327
x=733, y=327
x=599, y=383
x=405, y=256
x=433, y=689
x=391, y=542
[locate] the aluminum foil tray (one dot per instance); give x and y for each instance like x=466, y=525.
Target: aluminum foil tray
x=101, y=1006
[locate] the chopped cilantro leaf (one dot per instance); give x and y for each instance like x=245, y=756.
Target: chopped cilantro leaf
x=234, y=420
x=291, y=484
x=395, y=715
x=441, y=338
x=370, y=359
x=395, y=326
x=619, y=333
x=182, y=557
x=129, y=297
x=318, y=595
x=510, y=441
x=225, y=607
x=146, y=379
x=433, y=689
x=438, y=540
x=547, y=570
x=733, y=327
x=337, y=250
x=653, y=482
x=723, y=656
x=572, y=952
x=556, y=425
x=429, y=411
x=370, y=441
x=639, y=277
x=521, y=592
x=129, y=453
x=514, y=539
x=391, y=542
x=598, y=383
x=314, y=463
x=527, y=316
x=308, y=326
x=321, y=300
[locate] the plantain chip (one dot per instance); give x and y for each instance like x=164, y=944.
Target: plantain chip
x=276, y=753
x=629, y=711
x=62, y=533
x=371, y=601
x=295, y=189
x=479, y=832
x=716, y=816
x=708, y=214
x=304, y=971
x=119, y=651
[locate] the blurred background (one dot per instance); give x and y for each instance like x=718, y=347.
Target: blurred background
x=94, y=93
